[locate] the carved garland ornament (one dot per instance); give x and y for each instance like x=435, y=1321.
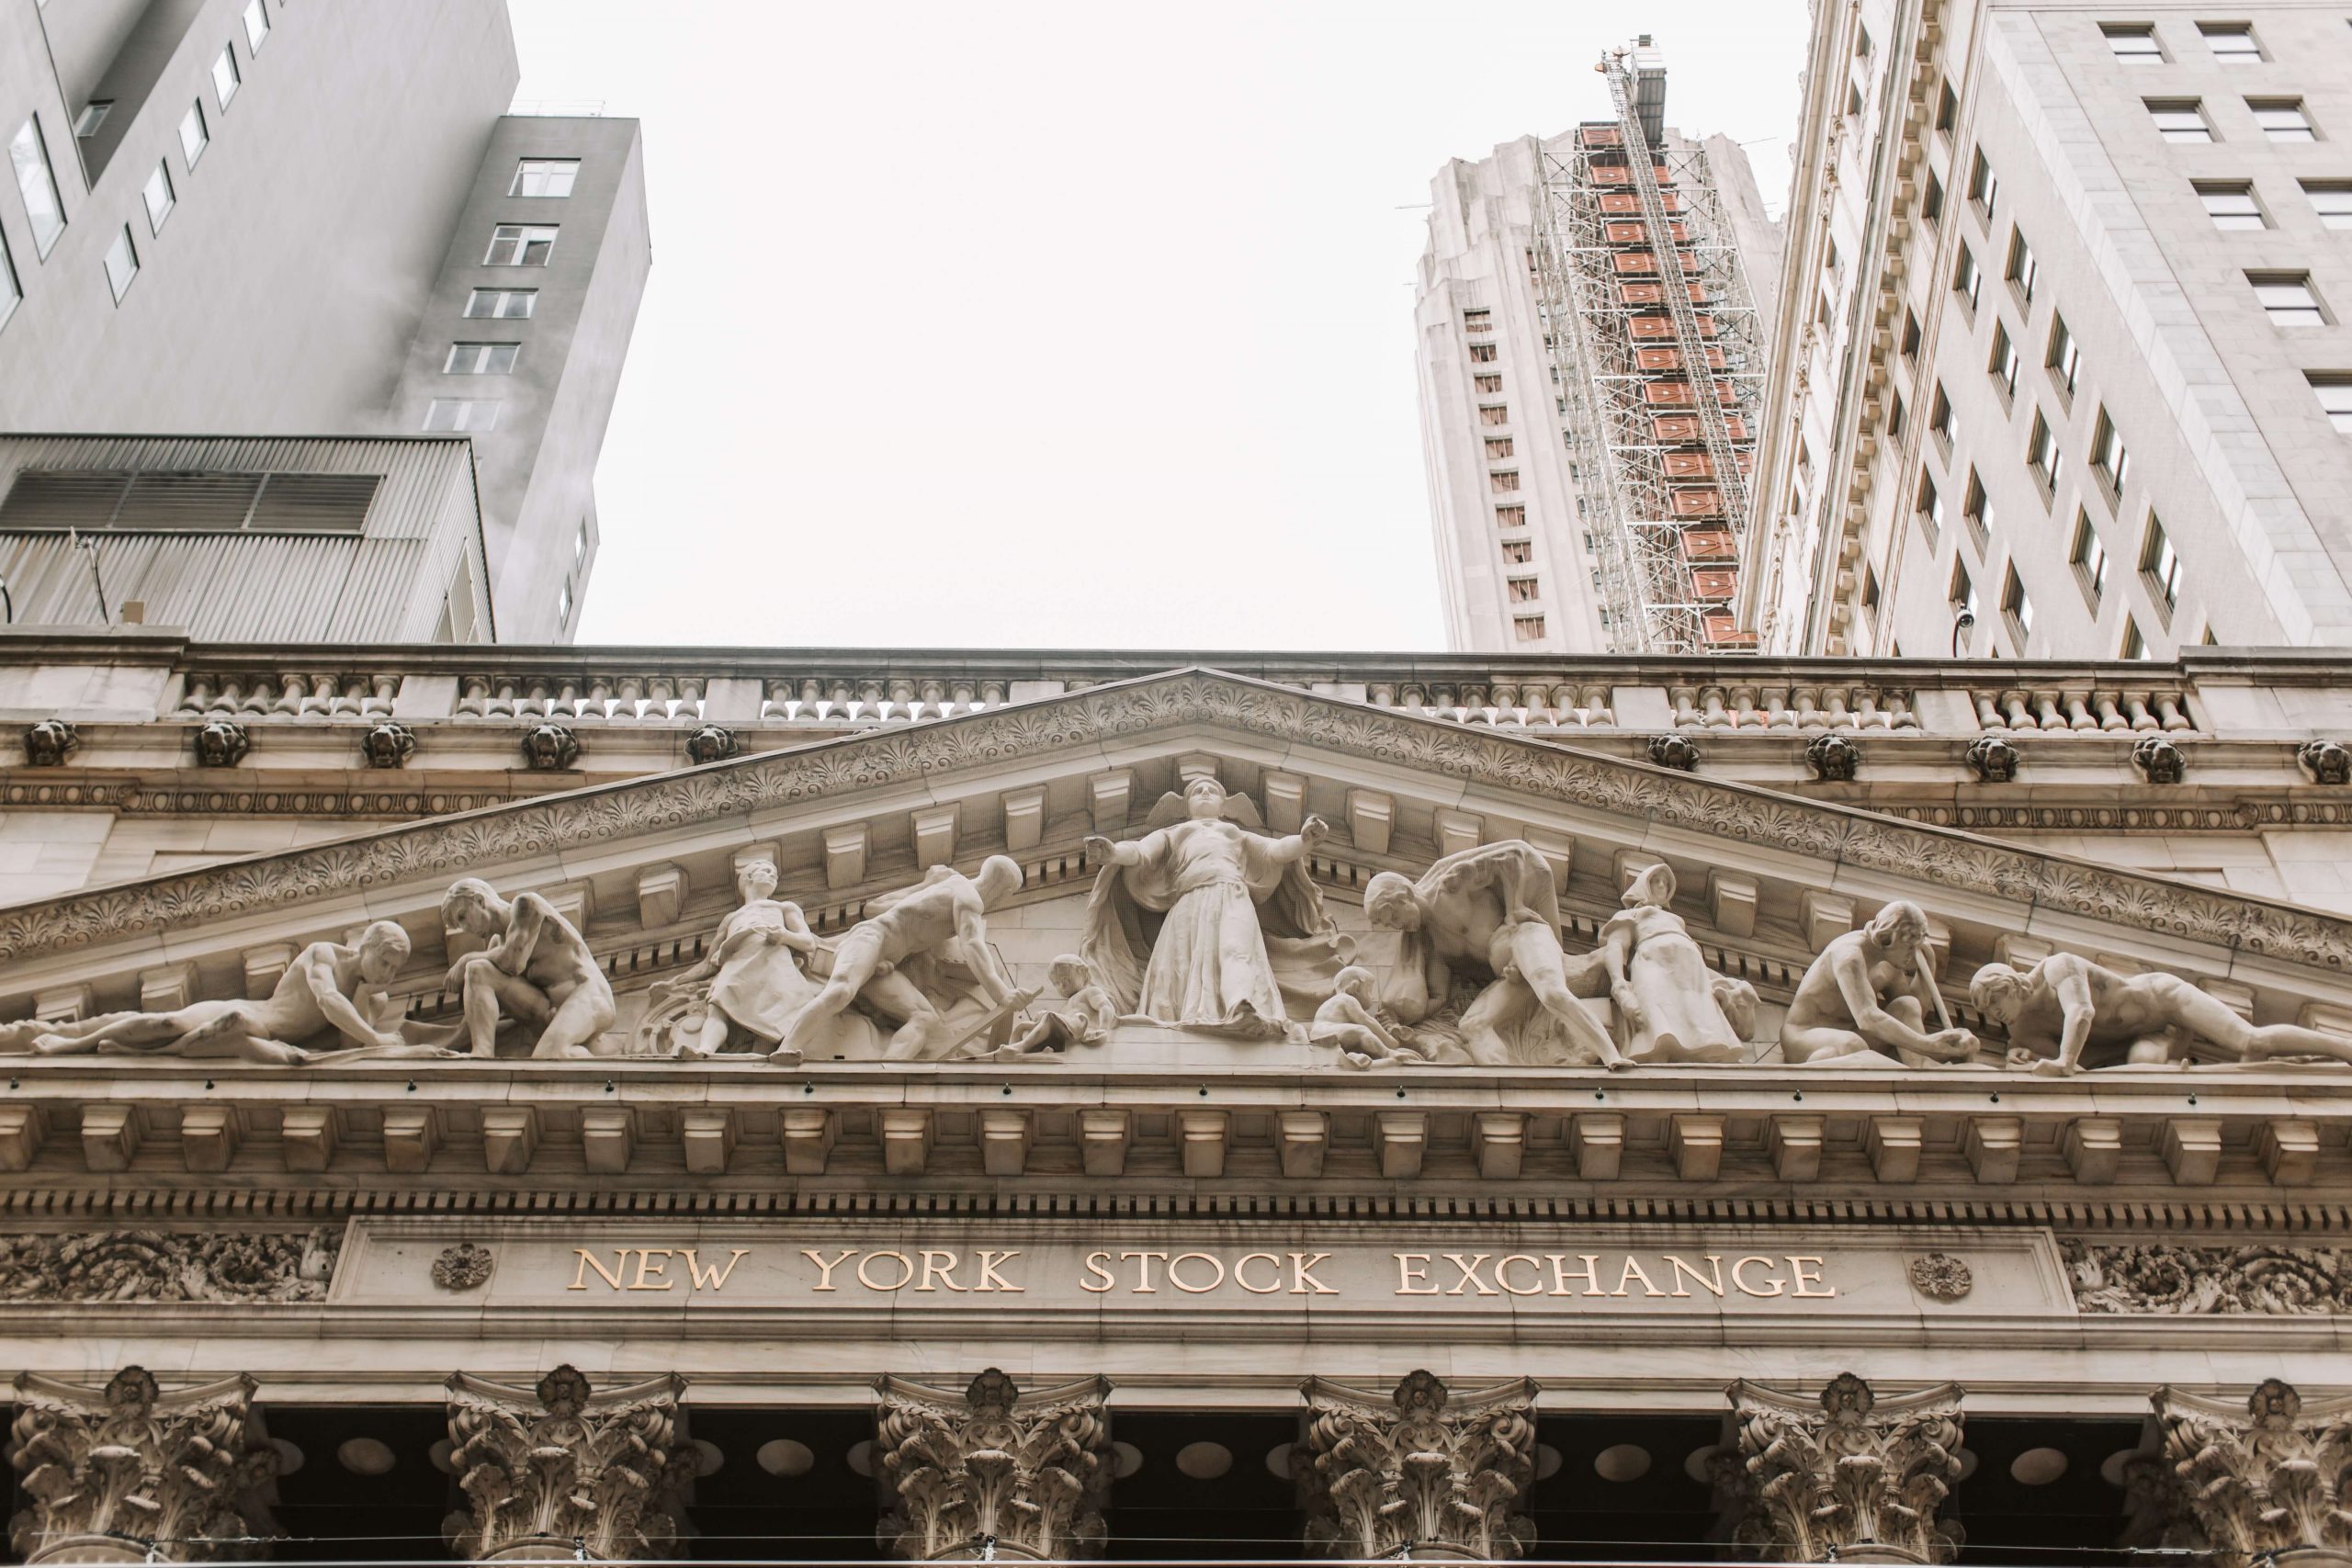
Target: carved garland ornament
x=992, y=1471
x=2245, y=1482
x=2163, y=1278
x=1416, y=1473
x=1082, y=721
x=154, y=1266
x=542, y=1468
x=1844, y=1475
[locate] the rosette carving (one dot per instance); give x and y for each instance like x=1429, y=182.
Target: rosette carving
x=992, y=1471
x=2244, y=1482
x=559, y=1468
x=1418, y=1473
x=129, y=1473
x=1844, y=1475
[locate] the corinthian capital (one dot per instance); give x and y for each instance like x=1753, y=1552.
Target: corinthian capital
x=2244, y=1481
x=128, y=1473
x=1419, y=1472
x=1844, y=1474
x=550, y=1470
x=993, y=1472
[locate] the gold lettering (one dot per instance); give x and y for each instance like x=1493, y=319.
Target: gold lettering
x=1796, y=1267
x=1146, y=1288
x=587, y=1261
x=899, y=1284
x=1715, y=1283
x=716, y=1280
x=1634, y=1270
x=1303, y=1282
x=825, y=1274
x=946, y=1272
x=992, y=1280
x=1094, y=1261
x=648, y=1270
x=1739, y=1277
x=1470, y=1275
x=1503, y=1278
x=1412, y=1267
x=1589, y=1273
x=1242, y=1279
x=1177, y=1281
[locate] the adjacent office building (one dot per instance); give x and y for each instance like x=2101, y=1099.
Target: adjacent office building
x=1575, y=487
x=2060, y=367
x=255, y=217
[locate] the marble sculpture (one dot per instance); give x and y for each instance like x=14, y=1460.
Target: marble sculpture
x=2066, y=1007
x=1673, y=1007
x=751, y=985
x=539, y=971
x=1864, y=1001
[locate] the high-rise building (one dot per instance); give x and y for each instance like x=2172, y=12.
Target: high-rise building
x=2058, y=369
x=255, y=218
x=1564, y=354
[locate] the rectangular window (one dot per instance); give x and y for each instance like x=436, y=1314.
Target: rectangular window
x=1939, y=417
x=1983, y=185
x=544, y=176
x=11, y=291
x=2233, y=43
x=1962, y=591
x=563, y=605
x=2108, y=454
x=1910, y=334
x=2331, y=201
x=1947, y=109
x=122, y=264
x=1487, y=383
x=2283, y=119
x=480, y=359
x=2134, y=43
x=462, y=414
x=2333, y=389
x=94, y=115
x=194, y=137
x=1510, y=517
x=2231, y=203
x=29, y=151
x=503, y=304
x=2016, y=606
x=1504, y=482
x=1498, y=447
x=1482, y=354
x=1930, y=504
x=1477, y=322
x=1494, y=413
x=2042, y=453
x=1966, y=281
x=1978, y=507
x=2180, y=120
x=1931, y=204
x=1525, y=589
x=225, y=77
x=2004, y=363
x=2287, y=299
x=2134, y=644
x=1527, y=628
x=160, y=199
x=2065, y=359
x=2089, y=559
x=256, y=26
x=2160, y=565
x=520, y=244
x=1518, y=552
x=2023, y=270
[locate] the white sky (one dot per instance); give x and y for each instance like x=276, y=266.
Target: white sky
x=1072, y=325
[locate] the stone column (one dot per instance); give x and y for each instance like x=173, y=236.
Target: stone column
x=559, y=1468
x=128, y=1473
x=1843, y=1474
x=991, y=1472
x=2270, y=1477
x=1417, y=1472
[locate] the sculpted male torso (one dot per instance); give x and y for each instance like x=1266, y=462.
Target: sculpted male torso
x=539, y=971
x=1866, y=996
x=2067, y=1006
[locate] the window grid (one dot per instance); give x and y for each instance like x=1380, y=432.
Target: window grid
x=2042, y=453
x=1976, y=506
x=520, y=244
x=2232, y=204
x=2283, y=119
x=1983, y=185
x=2180, y=120
x=454, y=415
x=12, y=292
x=544, y=177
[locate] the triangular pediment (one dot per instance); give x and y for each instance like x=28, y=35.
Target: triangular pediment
x=1765, y=876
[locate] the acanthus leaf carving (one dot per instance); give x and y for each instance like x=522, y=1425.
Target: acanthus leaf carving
x=157, y=1266
x=1417, y=1471
x=2165, y=1278
x=991, y=1472
x=558, y=1469
x=2244, y=1482
x=1843, y=1474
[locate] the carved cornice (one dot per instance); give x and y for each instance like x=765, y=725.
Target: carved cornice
x=1843, y=1474
x=991, y=1472
x=154, y=1266
x=2184, y=1281
x=559, y=1468
x=1417, y=1472
x=1079, y=723
x=2244, y=1482
x=128, y=1473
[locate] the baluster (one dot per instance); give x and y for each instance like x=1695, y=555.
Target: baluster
x=2173, y=710
x=993, y=693
x=2108, y=715
x=1595, y=704
x=1833, y=714
x=690, y=696
x=2045, y=705
x=1987, y=715
x=1713, y=716
x=2078, y=713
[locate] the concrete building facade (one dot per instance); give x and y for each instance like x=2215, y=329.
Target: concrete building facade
x=238, y=217
x=2059, y=354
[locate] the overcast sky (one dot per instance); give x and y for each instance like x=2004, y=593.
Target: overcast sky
x=1070, y=325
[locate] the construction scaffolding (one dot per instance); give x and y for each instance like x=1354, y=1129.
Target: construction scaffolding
x=1655, y=342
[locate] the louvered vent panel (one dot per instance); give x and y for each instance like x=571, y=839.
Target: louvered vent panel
x=210, y=504
x=49, y=501
x=314, y=503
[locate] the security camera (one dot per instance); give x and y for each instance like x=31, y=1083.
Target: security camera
x=1964, y=620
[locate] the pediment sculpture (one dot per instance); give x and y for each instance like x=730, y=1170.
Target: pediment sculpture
x=2066, y=1008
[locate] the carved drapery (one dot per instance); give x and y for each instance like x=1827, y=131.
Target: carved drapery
x=991, y=1471
x=1844, y=1473
x=1418, y=1473
x=2244, y=1481
x=128, y=1473
x=551, y=1471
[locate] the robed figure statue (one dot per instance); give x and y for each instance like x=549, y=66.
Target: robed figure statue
x=1202, y=923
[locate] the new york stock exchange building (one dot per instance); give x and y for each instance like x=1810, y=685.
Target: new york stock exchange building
x=644, y=1104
